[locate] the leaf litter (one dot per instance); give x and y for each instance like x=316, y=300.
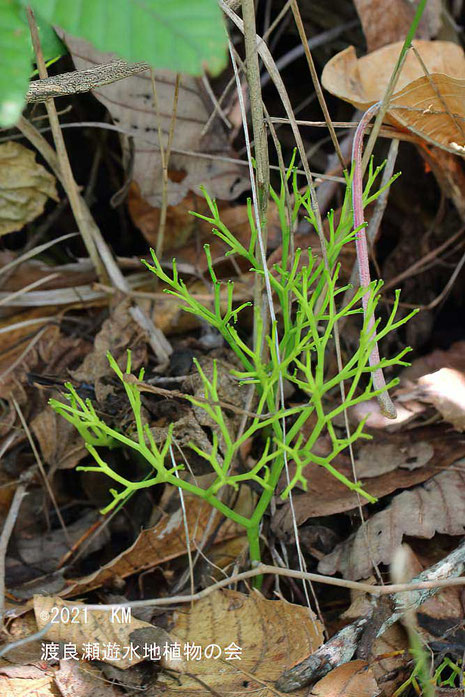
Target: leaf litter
x=413, y=466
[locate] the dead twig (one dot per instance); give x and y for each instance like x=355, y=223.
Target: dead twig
x=442, y=575
x=68, y=180
x=80, y=81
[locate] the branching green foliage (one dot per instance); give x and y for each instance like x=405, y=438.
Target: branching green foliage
x=310, y=303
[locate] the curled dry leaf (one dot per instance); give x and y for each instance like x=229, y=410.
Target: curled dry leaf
x=25, y=187
x=130, y=103
x=274, y=635
x=430, y=106
x=353, y=679
x=437, y=506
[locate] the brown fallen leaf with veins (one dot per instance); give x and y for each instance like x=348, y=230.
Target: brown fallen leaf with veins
x=436, y=506
x=431, y=107
x=273, y=635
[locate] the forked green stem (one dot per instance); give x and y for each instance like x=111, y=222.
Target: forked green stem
x=308, y=298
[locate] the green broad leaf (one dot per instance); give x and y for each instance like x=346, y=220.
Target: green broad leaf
x=16, y=61
x=52, y=46
x=180, y=35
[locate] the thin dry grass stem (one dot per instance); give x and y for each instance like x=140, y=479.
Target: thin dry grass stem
x=159, y=343
x=68, y=181
x=261, y=253
x=6, y=300
x=277, y=20
x=315, y=80
x=105, y=264
x=447, y=288
x=256, y=110
x=185, y=523
x=270, y=65
x=164, y=156
x=189, y=153
x=42, y=470
x=384, y=104
x=262, y=171
x=217, y=108
x=7, y=529
x=34, y=252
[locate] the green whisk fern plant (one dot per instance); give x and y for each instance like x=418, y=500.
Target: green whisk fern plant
x=309, y=302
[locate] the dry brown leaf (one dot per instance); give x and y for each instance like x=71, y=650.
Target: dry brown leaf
x=362, y=81
x=75, y=679
x=165, y=541
x=52, y=354
x=437, y=506
x=130, y=103
x=96, y=626
x=383, y=27
x=453, y=357
x=326, y=495
x=25, y=187
x=380, y=458
x=186, y=234
x=274, y=635
x=432, y=107
x=39, y=552
x=446, y=390
x=353, y=679
x=117, y=334
x=35, y=687
x=62, y=447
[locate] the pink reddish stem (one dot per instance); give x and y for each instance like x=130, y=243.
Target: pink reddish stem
x=385, y=402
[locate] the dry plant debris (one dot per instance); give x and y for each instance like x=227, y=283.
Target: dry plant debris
x=25, y=187
x=430, y=106
x=57, y=325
